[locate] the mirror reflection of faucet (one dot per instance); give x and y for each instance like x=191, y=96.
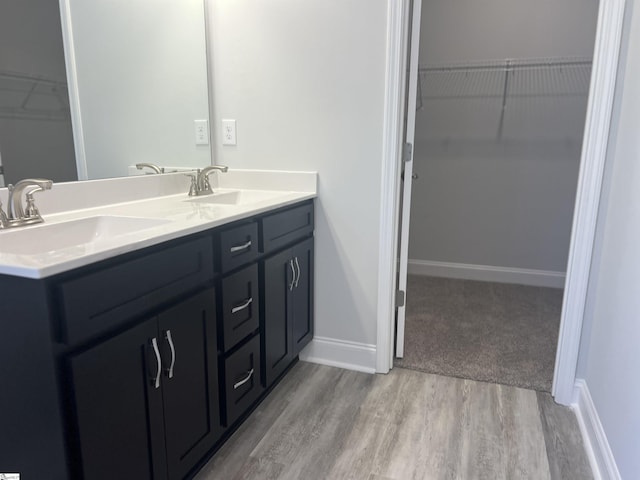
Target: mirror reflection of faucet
x=152, y=166
x=16, y=215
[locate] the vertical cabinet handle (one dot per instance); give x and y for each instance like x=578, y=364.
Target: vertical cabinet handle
x=239, y=248
x=154, y=344
x=244, y=380
x=298, y=277
x=293, y=275
x=243, y=305
x=167, y=335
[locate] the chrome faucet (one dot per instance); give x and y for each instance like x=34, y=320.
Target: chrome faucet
x=152, y=166
x=200, y=182
x=16, y=215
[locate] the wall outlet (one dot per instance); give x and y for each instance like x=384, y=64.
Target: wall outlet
x=202, y=132
x=229, y=132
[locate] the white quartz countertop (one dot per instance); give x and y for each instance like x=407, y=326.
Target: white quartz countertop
x=72, y=239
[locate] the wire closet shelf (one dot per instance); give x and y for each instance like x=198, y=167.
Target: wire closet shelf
x=504, y=81
x=25, y=96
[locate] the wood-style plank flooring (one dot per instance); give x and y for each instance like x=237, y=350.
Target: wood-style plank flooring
x=328, y=423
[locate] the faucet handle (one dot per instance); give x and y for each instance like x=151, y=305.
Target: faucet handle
x=4, y=221
x=206, y=184
x=193, y=188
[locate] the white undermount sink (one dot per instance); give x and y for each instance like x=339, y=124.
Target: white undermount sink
x=236, y=197
x=45, y=237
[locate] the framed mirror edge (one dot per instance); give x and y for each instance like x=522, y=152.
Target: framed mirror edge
x=72, y=85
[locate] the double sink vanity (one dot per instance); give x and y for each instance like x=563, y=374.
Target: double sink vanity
x=140, y=326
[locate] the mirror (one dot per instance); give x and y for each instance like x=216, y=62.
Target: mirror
x=35, y=125
x=137, y=80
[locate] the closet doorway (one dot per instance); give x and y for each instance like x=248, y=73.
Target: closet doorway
x=501, y=98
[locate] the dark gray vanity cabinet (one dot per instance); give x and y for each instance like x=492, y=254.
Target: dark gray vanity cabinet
x=146, y=401
x=240, y=309
x=242, y=379
x=288, y=307
x=142, y=365
x=119, y=418
x=278, y=348
x=302, y=296
x=288, y=289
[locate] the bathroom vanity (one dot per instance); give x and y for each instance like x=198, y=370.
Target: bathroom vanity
x=137, y=357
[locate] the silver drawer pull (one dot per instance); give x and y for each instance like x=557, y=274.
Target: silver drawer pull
x=238, y=248
x=293, y=275
x=167, y=335
x=298, y=277
x=244, y=305
x=154, y=344
x=244, y=380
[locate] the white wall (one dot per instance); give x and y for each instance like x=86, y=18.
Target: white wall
x=609, y=361
x=499, y=201
x=31, y=43
x=305, y=82
x=499, y=29
x=142, y=81
x=494, y=209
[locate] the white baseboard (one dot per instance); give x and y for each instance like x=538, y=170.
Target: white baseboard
x=487, y=273
x=360, y=357
x=595, y=440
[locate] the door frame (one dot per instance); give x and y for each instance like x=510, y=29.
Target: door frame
x=594, y=149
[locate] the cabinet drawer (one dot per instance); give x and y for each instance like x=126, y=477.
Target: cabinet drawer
x=238, y=246
x=287, y=226
x=99, y=301
x=240, y=306
x=242, y=379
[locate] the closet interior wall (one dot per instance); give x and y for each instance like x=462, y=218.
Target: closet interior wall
x=503, y=97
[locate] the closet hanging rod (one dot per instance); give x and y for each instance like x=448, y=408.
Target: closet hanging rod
x=28, y=96
x=31, y=77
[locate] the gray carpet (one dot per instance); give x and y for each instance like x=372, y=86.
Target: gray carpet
x=492, y=332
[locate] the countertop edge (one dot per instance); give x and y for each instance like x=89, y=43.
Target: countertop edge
x=38, y=273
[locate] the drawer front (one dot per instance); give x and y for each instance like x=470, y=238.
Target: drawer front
x=97, y=302
x=240, y=306
x=242, y=379
x=238, y=246
x=282, y=228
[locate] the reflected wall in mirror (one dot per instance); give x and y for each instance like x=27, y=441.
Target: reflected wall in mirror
x=36, y=137
x=137, y=75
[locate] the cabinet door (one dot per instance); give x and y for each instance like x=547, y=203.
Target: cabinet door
x=190, y=381
x=302, y=298
x=278, y=276
x=119, y=408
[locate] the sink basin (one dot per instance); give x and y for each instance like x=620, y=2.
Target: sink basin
x=236, y=197
x=45, y=237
